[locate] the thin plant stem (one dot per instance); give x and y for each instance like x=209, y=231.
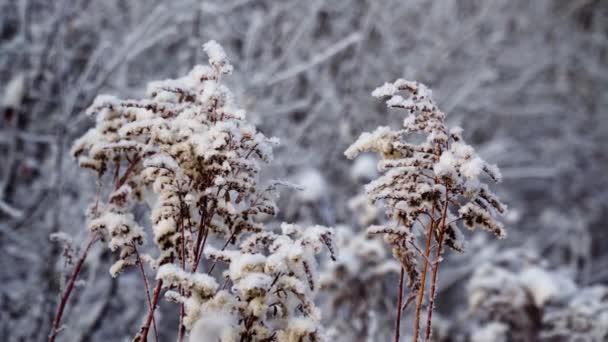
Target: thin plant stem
x=434, y=272
x=399, y=305
x=181, y=328
x=223, y=248
x=435, y=269
x=143, y=275
x=200, y=252
x=127, y=173
x=201, y=233
x=142, y=336
x=427, y=250
x=70, y=286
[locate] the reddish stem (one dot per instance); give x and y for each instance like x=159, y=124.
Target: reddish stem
x=399, y=305
x=427, y=250
x=199, y=237
x=181, y=328
x=435, y=269
x=143, y=275
x=130, y=169
x=223, y=248
x=200, y=250
x=68, y=290
x=116, y=173
x=142, y=336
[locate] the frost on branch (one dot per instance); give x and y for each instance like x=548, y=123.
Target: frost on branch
x=431, y=183
x=273, y=280
x=187, y=152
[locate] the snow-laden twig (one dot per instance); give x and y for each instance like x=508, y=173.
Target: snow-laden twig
x=437, y=180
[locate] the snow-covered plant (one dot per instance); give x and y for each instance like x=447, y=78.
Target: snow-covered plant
x=583, y=318
x=187, y=152
x=273, y=279
x=365, y=212
x=356, y=286
x=518, y=296
x=508, y=294
x=431, y=183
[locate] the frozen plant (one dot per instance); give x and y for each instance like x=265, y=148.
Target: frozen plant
x=187, y=152
x=356, y=286
x=431, y=184
x=508, y=294
x=274, y=279
x=583, y=318
x=518, y=296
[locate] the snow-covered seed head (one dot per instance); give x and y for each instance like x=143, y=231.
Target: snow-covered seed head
x=435, y=184
x=188, y=153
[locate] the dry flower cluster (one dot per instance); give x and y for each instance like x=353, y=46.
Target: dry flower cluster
x=429, y=187
x=187, y=154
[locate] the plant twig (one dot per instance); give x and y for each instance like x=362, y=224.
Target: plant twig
x=181, y=329
x=427, y=250
x=143, y=275
x=70, y=286
x=399, y=305
x=435, y=268
x=142, y=336
x=223, y=248
x=127, y=173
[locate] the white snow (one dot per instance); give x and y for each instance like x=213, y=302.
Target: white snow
x=241, y=264
x=252, y=284
x=214, y=326
x=62, y=237
x=545, y=286
x=373, y=142
x=446, y=165
x=14, y=92
x=161, y=160
x=364, y=168
x=472, y=168
x=387, y=89
x=102, y=100
x=491, y=332
x=217, y=56
x=313, y=184
x=171, y=274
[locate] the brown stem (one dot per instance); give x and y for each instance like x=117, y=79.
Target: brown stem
x=68, y=289
x=399, y=305
x=223, y=248
x=199, y=254
x=97, y=195
x=181, y=328
x=143, y=275
x=425, y=262
x=142, y=336
x=435, y=269
x=204, y=227
x=201, y=232
x=413, y=244
x=116, y=173
x=127, y=173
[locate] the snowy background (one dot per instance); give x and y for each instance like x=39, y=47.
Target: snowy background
x=525, y=79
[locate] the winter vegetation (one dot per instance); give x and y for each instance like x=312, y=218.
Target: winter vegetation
x=187, y=152
x=428, y=189
x=218, y=204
